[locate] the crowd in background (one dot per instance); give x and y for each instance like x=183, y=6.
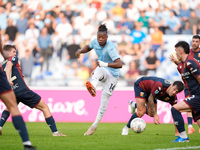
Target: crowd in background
x=47, y=33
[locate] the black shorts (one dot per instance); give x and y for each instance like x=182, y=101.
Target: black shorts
x=4, y=85
x=29, y=98
x=194, y=103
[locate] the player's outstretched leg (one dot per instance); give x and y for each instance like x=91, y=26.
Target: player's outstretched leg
x=92, y=84
x=179, y=122
x=49, y=118
x=104, y=103
x=190, y=127
x=10, y=101
x=4, y=116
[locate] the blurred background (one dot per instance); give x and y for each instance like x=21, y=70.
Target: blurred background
x=47, y=33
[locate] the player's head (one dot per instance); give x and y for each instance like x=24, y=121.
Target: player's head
x=10, y=50
x=181, y=49
x=102, y=35
x=175, y=88
x=195, y=42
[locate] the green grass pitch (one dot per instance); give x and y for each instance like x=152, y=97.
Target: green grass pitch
x=106, y=137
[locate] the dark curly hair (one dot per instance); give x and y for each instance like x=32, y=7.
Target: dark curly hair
x=102, y=28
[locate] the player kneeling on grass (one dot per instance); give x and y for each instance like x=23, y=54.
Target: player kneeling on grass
x=147, y=91
x=22, y=92
x=106, y=72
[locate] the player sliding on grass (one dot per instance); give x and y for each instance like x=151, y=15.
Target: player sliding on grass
x=147, y=91
x=106, y=72
x=195, y=53
x=189, y=70
x=8, y=97
x=22, y=92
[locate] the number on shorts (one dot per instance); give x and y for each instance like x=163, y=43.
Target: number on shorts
x=112, y=87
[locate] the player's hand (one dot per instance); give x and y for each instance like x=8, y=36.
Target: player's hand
x=156, y=119
x=172, y=58
x=11, y=83
x=102, y=64
x=78, y=54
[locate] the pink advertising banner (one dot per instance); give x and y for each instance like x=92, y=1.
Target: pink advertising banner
x=78, y=106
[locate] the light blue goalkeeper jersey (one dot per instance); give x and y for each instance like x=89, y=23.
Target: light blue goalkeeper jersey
x=107, y=54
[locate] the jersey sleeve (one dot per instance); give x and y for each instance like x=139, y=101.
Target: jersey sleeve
x=193, y=67
x=156, y=88
x=113, y=53
x=92, y=43
x=14, y=60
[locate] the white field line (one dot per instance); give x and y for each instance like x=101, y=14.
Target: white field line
x=176, y=148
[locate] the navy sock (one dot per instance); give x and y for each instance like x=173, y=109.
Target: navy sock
x=20, y=126
x=188, y=118
x=4, y=117
x=132, y=117
x=178, y=120
x=51, y=122
x=135, y=105
x=146, y=110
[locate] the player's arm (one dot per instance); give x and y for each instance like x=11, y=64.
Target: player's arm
x=1, y=50
x=117, y=64
x=173, y=59
x=154, y=91
x=8, y=70
x=85, y=49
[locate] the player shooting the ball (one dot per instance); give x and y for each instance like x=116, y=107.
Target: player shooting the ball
x=107, y=71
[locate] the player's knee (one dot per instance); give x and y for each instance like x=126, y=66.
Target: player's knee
x=174, y=111
x=140, y=112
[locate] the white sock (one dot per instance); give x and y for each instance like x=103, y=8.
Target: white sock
x=0, y=128
x=27, y=143
x=183, y=135
x=55, y=132
x=133, y=104
x=190, y=125
x=104, y=103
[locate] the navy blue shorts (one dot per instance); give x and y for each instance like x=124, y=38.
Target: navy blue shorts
x=29, y=98
x=141, y=93
x=194, y=103
x=4, y=85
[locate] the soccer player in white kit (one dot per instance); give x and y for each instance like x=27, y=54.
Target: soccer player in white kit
x=107, y=71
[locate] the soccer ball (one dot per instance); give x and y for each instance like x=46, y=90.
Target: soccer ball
x=138, y=125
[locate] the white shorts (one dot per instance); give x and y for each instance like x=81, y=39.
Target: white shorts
x=109, y=82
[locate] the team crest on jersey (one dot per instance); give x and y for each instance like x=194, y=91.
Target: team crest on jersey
x=156, y=92
x=13, y=59
x=141, y=94
x=167, y=98
x=198, y=54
